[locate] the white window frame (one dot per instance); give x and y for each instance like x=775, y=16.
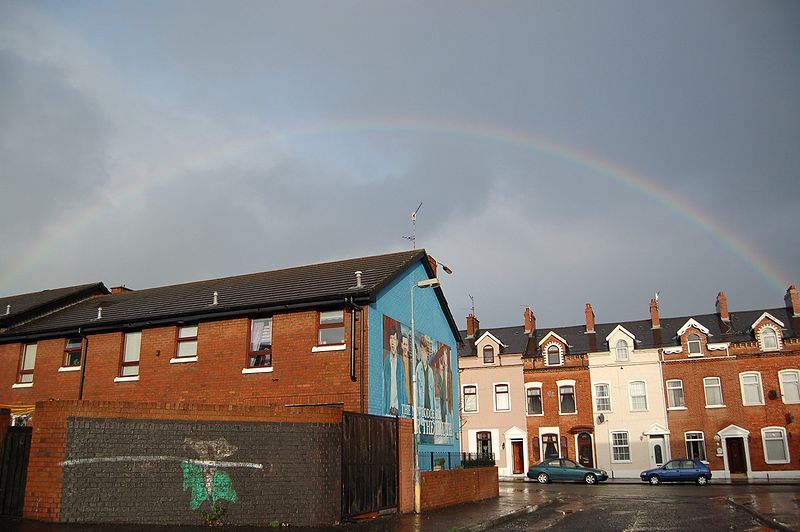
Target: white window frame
x=28, y=353
x=494, y=395
x=562, y=384
x=721, y=393
x=624, y=349
x=463, y=398
x=781, y=374
x=560, y=355
x=702, y=440
x=756, y=374
x=630, y=396
x=763, y=341
x=782, y=430
x=595, y=397
x=670, y=406
x=535, y=385
x=699, y=341
x=613, y=446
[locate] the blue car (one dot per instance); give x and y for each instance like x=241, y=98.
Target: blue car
x=681, y=470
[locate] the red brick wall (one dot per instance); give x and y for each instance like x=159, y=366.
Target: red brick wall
x=405, y=466
x=299, y=375
x=457, y=486
x=48, y=446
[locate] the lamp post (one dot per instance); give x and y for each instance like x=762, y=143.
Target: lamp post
x=427, y=283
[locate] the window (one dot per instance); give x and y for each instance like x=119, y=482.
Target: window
x=470, y=398
x=694, y=344
x=638, y=392
x=713, y=389
x=602, y=397
x=72, y=353
x=769, y=339
x=484, y=439
x=790, y=385
x=260, y=355
x=534, y=396
x=675, y=397
x=553, y=356
x=775, y=448
x=622, y=350
x=331, y=327
x=502, y=398
x=27, y=364
x=130, y=355
x=488, y=354
x=695, y=446
x=566, y=403
x=187, y=341
x=550, y=443
x=620, y=447
x=751, y=389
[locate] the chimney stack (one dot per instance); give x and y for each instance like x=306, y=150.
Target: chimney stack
x=434, y=265
x=655, y=319
x=530, y=321
x=472, y=326
x=722, y=307
x=589, y=318
x=122, y=289
x=792, y=300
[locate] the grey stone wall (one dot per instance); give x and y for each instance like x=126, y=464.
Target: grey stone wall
x=170, y=472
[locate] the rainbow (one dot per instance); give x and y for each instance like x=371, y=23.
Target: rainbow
x=134, y=186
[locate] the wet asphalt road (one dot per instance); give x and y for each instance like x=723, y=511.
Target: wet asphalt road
x=643, y=507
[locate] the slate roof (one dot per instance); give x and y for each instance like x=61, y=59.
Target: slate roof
x=514, y=339
x=315, y=285
x=25, y=305
x=738, y=330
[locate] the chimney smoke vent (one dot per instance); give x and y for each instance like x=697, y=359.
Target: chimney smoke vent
x=99, y=313
x=358, y=279
x=8, y=310
x=215, y=298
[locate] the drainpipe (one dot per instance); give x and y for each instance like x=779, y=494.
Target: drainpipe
x=361, y=350
x=84, y=355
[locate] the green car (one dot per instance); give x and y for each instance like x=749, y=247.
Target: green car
x=565, y=469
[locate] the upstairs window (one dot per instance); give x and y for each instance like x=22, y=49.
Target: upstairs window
x=553, y=356
x=751, y=389
x=790, y=385
x=602, y=397
x=502, y=398
x=27, y=363
x=622, y=350
x=638, y=391
x=675, y=397
x=488, y=355
x=72, y=353
x=470, y=398
x=187, y=341
x=713, y=390
x=260, y=355
x=331, y=327
x=129, y=367
x=534, y=401
x=693, y=341
x=769, y=339
x=566, y=402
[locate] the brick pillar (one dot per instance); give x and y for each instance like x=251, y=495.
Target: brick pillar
x=472, y=326
x=722, y=307
x=405, y=465
x=530, y=322
x=792, y=300
x=655, y=319
x=589, y=318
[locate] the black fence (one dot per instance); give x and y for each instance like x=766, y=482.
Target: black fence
x=432, y=461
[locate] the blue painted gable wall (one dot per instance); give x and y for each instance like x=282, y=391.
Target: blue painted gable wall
x=429, y=319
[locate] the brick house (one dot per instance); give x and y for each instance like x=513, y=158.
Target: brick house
x=331, y=333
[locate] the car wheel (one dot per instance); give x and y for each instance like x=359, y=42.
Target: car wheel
x=590, y=478
x=654, y=480
x=543, y=478
x=702, y=480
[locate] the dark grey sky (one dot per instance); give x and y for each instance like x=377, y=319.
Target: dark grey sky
x=566, y=152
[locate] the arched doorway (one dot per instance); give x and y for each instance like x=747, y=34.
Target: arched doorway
x=585, y=453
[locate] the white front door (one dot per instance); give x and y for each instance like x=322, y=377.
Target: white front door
x=658, y=451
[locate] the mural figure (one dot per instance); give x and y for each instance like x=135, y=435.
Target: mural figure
x=394, y=372
x=405, y=352
x=205, y=480
x=425, y=383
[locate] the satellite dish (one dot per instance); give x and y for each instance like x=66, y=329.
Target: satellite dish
x=600, y=419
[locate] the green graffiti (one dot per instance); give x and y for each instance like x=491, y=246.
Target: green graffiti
x=197, y=478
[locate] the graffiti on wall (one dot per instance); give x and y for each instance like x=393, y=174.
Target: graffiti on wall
x=433, y=373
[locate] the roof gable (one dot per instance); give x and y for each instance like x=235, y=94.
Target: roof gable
x=768, y=316
x=691, y=322
x=620, y=328
x=493, y=337
x=553, y=334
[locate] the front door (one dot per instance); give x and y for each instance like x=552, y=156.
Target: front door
x=657, y=451
x=585, y=454
x=736, y=458
x=516, y=457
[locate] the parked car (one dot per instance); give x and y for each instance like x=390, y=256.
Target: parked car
x=680, y=470
x=565, y=469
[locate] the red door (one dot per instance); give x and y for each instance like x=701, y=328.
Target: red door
x=516, y=453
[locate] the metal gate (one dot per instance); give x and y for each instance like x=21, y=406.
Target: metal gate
x=13, y=470
x=369, y=464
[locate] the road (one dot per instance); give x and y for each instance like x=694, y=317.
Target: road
x=632, y=507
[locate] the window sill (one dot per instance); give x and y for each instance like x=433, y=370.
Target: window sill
x=567, y=413
x=695, y=355
x=752, y=404
x=126, y=379
x=678, y=408
x=324, y=348
x=535, y=415
x=502, y=411
x=715, y=406
x=182, y=360
x=470, y=411
x=777, y=462
x=257, y=370
x=621, y=461
x=22, y=385
x=69, y=368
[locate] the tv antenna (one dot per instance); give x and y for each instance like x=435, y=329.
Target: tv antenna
x=472, y=300
x=413, y=236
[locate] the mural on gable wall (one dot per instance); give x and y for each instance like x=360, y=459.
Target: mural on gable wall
x=434, y=377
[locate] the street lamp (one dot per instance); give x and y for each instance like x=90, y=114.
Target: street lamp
x=427, y=283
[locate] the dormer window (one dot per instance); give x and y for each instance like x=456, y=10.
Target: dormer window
x=553, y=356
x=693, y=342
x=769, y=339
x=488, y=355
x=622, y=350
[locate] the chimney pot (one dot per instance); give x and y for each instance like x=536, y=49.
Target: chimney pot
x=655, y=319
x=472, y=326
x=722, y=307
x=589, y=318
x=792, y=300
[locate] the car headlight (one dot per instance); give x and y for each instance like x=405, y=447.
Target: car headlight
x=603, y=471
